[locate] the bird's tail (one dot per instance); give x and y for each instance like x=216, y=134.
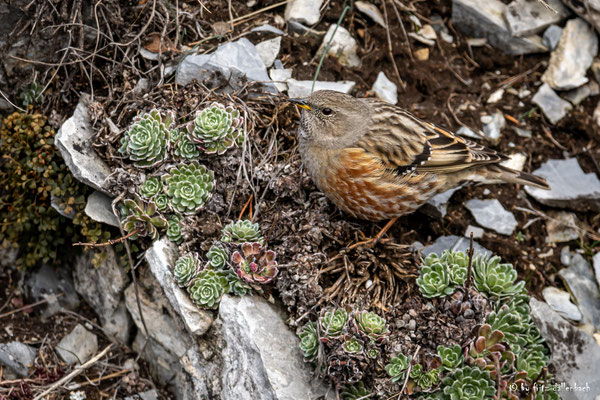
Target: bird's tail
x=513, y=176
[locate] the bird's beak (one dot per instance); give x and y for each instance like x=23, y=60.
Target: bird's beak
x=301, y=103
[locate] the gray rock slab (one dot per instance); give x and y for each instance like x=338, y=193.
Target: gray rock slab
x=491, y=215
x=119, y=324
x=452, y=242
x=493, y=125
x=575, y=354
x=233, y=59
x=99, y=208
x=162, y=364
x=437, y=206
x=385, y=89
x=576, y=96
x=572, y=57
x=74, y=141
x=596, y=261
x=280, y=77
x=249, y=327
x=560, y=301
x=17, y=358
x=149, y=395
x=526, y=17
x=268, y=50
x=581, y=282
x=78, y=346
x=570, y=186
x=485, y=19
x=553, y=107
x=161, y=256
x=304, y=11
x=562, y=227
x=304, y=88
x=47, y=283
x=343, y=47
x=552, y=37
x=475, y=230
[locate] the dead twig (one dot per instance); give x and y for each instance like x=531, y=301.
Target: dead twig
x=108, y=243
x=37, y=303
x=390, y=48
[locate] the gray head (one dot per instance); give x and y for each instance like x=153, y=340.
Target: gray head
x=332, y=119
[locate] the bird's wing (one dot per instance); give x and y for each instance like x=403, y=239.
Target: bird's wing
x=403, y=143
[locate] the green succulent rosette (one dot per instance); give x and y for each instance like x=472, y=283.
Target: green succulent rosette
x=495, y=279
x=309, y=340
x=141, y=218
x=428, y=379
x=216, y=128
x=241, y=232
x=162, y=202
x=434, y=281
x=185, y=149
x=174, y=230
x=356, y=391
x=469, y=383
x=237, y=286
x=208, y=288
x=218, y=256
x=372, y=325
x=151, y=187
x=147, y=140
x=451, y=357
x=397, y=367
x=353, y=346
x=186, y=268
x=333, y=322
x=532, y=359
x=189, y=187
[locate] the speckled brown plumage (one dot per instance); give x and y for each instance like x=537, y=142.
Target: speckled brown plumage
x=377, y=161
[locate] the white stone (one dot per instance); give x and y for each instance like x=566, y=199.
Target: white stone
x=468, y=132
x=437, y=206
x=475, y=230
x=553, y=107
x=305, y=11
x=17, y=357
x=552, y=37
x=280, y=77
x=573, y=56
x=581, y=283
x=268, y=50
x=515, y=161
x=570, y=187
x=526, y=17
x=74, y=141
x=560, y=301
x=343, y=46
x=371, y=11
x=493, y=125
x=304, y=88
x=496, y=96
x=452, y=242
x=99, y=208
x=485, y=19
x=385, y=89
x=490, y=214
x=425, y=35
x=576, y=96
x=562, y=227
x=78, y=346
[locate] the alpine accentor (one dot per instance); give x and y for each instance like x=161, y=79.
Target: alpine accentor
x=377, y=161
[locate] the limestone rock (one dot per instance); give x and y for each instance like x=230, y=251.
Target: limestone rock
x=78, y=346
x=99, y=208
x=553, y=107
x=343, y=46
x=304, y=11
x=490, y=214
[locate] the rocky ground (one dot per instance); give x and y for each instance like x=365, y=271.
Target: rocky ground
x=518, y=76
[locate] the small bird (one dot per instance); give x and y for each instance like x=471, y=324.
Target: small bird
x=377, y=161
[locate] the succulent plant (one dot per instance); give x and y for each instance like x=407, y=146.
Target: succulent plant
x=175, y=134
x=397, y=367
x=241, y=232
x=186, y=268
x=495, y=279
x=147, y=140
x=372, y=325
x=174, y=229
x=255, y=264
x=427, y=379
x=416, y=371
x=354, y=392
x=189, y=186
x=141, y=218
x=186, y=149
x=458, y=274
x=353, y=345
x=208, y=288
x=438, y=395
x=151, y=187
x=488, y=352
x=449, y=258
x=469, y=383
x=162, y=202
x=333, y=322
x=216, y=128
x=237, y=287
x=309, y=340
x=452, y=357
x=532, y=359
x=217, y=256
x=434, y=281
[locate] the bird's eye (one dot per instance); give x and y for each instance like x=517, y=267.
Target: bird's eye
x=327, y=111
